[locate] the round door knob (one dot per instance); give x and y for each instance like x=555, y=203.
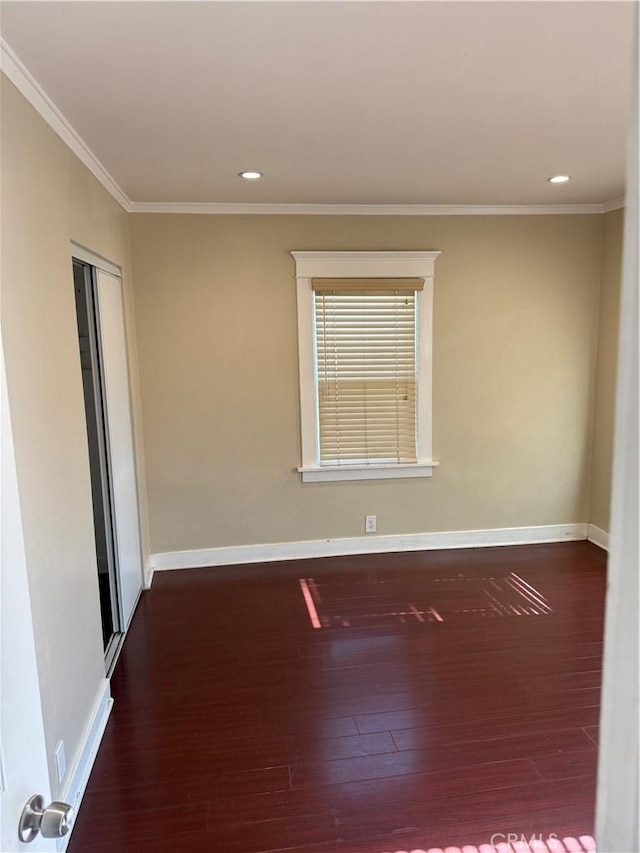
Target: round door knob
x=54, y=821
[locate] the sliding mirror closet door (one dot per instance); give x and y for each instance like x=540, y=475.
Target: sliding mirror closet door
x=105, y=379
x=92, y=386
x=113, y=346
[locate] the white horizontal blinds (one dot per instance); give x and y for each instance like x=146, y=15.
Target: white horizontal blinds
x=365, y=334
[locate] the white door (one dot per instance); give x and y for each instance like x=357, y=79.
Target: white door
x=113, y=347
x=23, y=761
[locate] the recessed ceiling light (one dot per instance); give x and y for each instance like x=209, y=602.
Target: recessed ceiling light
x=559, y=179
x=251, y=176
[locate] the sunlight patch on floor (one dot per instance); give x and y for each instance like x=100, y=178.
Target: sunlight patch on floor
x=584, y=844
x=330, y=605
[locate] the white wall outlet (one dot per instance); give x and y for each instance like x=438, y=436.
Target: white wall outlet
x=61, y=761
x=370, y=523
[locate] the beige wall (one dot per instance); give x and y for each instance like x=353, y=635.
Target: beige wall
x=49, y=198
x=515, y=318
x=606, y=365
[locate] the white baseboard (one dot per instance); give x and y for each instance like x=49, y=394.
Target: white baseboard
x=74, y=789
x=234, y=555
x=598, y=536
x=148, y=574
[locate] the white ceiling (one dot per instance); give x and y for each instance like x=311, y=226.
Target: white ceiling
x=340, y=102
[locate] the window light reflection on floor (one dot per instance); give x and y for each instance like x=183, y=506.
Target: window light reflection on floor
x=583, y=844
x=459, y=596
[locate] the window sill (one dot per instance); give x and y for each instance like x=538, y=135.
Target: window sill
x=328, y=473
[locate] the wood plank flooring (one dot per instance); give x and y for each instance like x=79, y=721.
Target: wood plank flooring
x=446, y=697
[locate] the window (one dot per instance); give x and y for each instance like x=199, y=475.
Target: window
x=365, y=354
x=364, y=334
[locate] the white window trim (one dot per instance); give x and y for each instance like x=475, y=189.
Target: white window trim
x=311, y=265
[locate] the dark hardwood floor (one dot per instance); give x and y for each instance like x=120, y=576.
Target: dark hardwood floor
x=447, y=697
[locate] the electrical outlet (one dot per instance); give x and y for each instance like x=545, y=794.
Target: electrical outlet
x=370, y=522
x=61, y=761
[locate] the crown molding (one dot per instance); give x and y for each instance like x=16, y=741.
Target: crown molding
x=225, y=209
x=20, y=76
x=614, y=204
x=22, y=79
